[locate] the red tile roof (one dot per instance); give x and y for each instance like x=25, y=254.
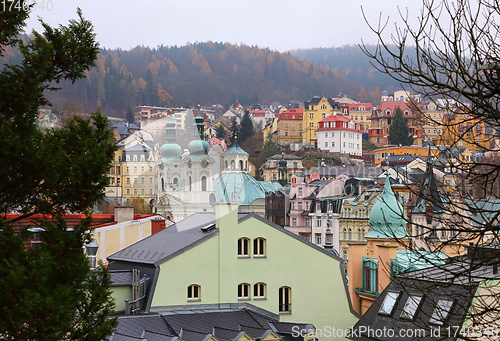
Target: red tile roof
x=293, y=114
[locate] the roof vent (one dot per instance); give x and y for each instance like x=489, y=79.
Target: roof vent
x=208, y=228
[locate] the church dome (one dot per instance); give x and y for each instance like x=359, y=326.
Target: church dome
x=170, y=150
x=387, y=219
x=198, y=147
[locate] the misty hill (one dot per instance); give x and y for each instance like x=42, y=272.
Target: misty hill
x=211, y=73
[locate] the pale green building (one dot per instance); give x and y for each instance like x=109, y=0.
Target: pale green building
x=230, y=259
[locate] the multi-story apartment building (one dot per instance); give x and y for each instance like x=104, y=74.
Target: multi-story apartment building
x=289, y=127
x=359, y=112
x=382, y=117
x=461, y=128
x=315, y=110
x=132, y=173
x=340, y=134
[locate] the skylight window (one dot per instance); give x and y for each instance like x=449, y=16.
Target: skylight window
x=411, y=307
x=441, y=312
x=389, y=303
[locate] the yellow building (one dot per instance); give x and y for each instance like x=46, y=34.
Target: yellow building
x=315, y=110
x=381, y=153
x=359, y=112
x=462, y=129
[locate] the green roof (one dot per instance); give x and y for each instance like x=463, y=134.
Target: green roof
x=387, y=216
x=416, y=260
x=241, y=187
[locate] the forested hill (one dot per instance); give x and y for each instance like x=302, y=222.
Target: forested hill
x=211, y=73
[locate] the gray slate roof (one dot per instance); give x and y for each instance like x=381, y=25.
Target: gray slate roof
x=197, y=325
x=169, y=241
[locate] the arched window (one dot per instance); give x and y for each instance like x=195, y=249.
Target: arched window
x=194, y=292
x=244, y=291
x=362, y=234
x=259, y=247
x=350, y=234
x=189, y=183
x=127, y=158
x=285, y=300
x=162, y=185
x=135, y=157
x=259, y=291
x=232, y=165
x=241, y=165
x=225, y=165
x=204, y=183
x=246, y=165
x=143, y=158
x=359, y=235
x=243, y=247
x=345, y=233
x=176, y=181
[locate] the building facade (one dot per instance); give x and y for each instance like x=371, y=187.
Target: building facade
x=289, y=127
x=315, y=110
x=340, y=134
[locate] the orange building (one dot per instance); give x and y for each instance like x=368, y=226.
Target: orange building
x=381, y=153
x=462, y=129
x=359, y=112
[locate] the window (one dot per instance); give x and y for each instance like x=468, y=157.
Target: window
x=308, y=222
x=204, y=183
x=128, y=191
x=151, y=169
x=326, y=144
x=194, y=292
x=127, y=180
x=311, y=115
x=326, y=134
x=410, y=307
x=318, y=221
x=294, y=221
x=135, y=191
x=323, y=115
x=259, y=291
x=350, y=231
x=150, y=179
x=127, y=158
x=285, y=300
x=143, y=180
x=150, y=191
x=442, y=309
x=300, y=191
x=244, y=291
x=318, y=238
x=143, y=158
x=135, y=179
x=389, y=303
x=135, y=157
x=259, y=247
x=345, y=234
x=243, y=247
x=300, y=206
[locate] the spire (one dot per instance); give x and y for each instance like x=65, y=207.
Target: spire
x=199, y=126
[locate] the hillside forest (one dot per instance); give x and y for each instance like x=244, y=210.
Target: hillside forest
x=216, y=73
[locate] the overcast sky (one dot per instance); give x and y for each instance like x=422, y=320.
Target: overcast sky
x=278, y=24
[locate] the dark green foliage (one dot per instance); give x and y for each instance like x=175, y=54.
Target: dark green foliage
x=269, y=142
x=220, y=133
x=235, y=129
x=129, y=116
x=399, y=132
x=49, y=292
x=246, y=127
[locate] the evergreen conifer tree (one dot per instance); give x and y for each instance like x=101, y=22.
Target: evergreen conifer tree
x=235, y=129
x=220, y=132
x=246, y=127
x=399, y=132
x=48, y=291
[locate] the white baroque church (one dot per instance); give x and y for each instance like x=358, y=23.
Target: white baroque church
x=185, y=180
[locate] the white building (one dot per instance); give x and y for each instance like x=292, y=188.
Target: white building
x=340, y=134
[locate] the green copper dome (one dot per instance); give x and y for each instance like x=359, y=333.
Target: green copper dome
x=170, y=150
x=387, y=216
x=198, y=147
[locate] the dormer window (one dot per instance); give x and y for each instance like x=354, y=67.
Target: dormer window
x=439, y=315
x=389, y=303
x=388, y=112
x=410, y=307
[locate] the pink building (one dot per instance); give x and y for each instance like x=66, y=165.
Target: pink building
x=314, y=206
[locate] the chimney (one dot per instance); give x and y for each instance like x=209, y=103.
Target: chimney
x=123, y=213
x=157, y=224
